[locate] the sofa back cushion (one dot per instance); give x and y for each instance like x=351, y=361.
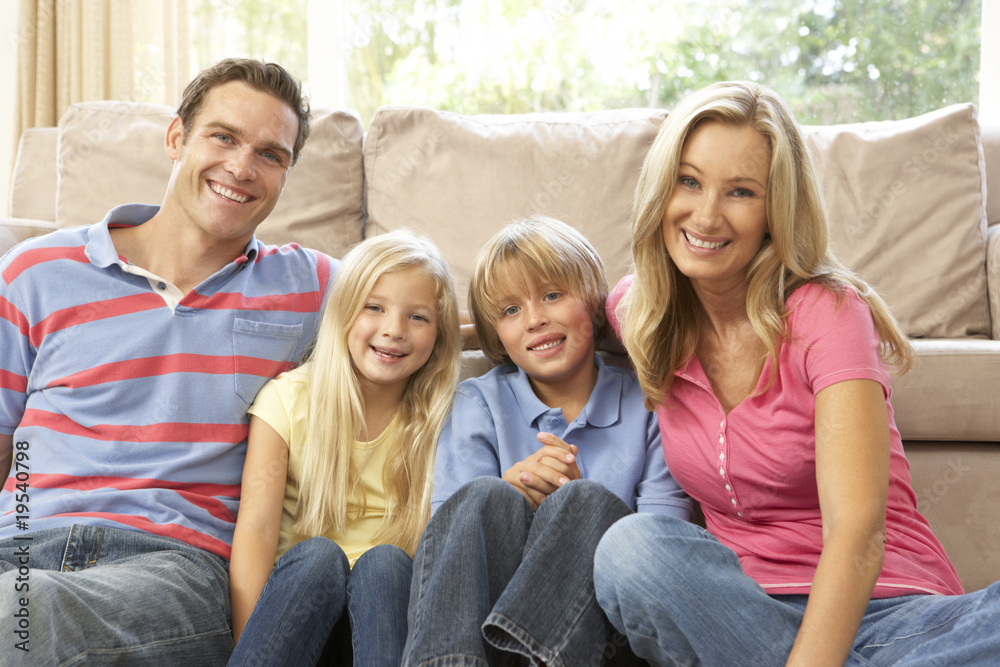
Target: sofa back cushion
x=112, y=153
x=907, y=207
x=906, y=199
x=458, y=179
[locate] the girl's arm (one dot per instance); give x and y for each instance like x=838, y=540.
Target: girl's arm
x=852, y=476
x=255, y=541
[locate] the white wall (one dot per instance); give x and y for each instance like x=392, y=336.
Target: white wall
x=8, y=99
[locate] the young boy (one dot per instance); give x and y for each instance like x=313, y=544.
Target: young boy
x=506, y=563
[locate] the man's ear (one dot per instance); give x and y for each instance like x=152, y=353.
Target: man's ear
x=174, y=141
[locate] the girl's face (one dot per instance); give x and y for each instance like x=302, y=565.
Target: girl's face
x=394, y=334
x=716, y=218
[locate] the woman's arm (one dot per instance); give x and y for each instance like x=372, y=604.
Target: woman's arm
x=255, y=541
x=852, y=476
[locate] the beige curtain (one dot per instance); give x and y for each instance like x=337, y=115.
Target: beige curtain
x=80, y=50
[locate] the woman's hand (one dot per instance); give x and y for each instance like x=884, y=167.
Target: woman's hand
x=539, y=475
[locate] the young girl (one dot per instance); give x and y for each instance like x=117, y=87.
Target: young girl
x=338, y=465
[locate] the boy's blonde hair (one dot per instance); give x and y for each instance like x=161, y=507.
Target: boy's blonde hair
x=330, y=476
x=658, y=315
x=528, y=252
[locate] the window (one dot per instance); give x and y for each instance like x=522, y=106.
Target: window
x=834, y=61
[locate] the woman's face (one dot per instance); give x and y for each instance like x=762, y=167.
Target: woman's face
x=716, y=217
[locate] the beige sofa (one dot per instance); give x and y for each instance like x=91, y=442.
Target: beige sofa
x=907, y=201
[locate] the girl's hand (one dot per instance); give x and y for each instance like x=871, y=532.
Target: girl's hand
x=539, y=475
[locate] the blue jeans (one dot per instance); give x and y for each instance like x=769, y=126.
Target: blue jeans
x=494, y=581
x=95, y=595
x=681, y=598
x=299, y=617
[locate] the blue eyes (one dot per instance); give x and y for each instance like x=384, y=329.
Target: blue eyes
x=510, y=311
x=692, y=183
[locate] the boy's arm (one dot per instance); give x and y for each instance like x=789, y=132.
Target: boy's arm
x=467, y=447
x=658, y=491
x=255, y=541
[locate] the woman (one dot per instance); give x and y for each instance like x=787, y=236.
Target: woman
x=767, y=363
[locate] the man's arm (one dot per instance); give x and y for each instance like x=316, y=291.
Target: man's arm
x=6, y=454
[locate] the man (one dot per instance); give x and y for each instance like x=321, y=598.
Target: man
x=129, y=353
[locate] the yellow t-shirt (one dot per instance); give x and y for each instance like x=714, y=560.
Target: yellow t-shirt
x=283, y=403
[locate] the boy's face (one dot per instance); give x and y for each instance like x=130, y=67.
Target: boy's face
x=548, y=333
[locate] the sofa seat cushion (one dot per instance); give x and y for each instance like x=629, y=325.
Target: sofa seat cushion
x=952, y=392
x=112, y=153
x=907, y=209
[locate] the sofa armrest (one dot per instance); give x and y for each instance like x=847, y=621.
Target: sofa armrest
x=993, y=276
x=15, y=230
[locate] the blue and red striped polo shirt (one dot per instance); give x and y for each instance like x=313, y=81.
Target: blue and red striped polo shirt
x=129, y=410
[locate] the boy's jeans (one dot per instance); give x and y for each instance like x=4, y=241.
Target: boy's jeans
x=492, y=579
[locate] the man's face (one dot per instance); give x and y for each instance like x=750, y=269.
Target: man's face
x=232, y=164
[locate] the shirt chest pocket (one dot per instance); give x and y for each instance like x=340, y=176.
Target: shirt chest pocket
x=262, y=350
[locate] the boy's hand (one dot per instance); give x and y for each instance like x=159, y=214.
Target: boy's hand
x=539, y=475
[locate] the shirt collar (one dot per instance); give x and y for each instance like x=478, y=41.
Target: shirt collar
x=601, y=410
x=101, y=251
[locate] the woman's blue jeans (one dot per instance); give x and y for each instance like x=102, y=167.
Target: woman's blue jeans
x=97, y=596
x=494, y=581
x=681, y=598
x=299, y=617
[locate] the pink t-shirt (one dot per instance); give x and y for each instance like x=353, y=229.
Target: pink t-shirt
x=753, y=470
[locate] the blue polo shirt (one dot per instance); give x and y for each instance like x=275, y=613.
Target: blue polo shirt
x=495, y=420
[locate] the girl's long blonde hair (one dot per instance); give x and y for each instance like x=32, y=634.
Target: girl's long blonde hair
x=658, y=315
x=330, y=477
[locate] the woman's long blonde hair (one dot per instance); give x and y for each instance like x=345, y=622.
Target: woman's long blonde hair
x=330, y=477
x=659, y=314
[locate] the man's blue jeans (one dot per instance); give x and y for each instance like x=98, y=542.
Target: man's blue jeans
x=98, y=596
x=682, y=598
x=300, y=614
x=494, y=581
